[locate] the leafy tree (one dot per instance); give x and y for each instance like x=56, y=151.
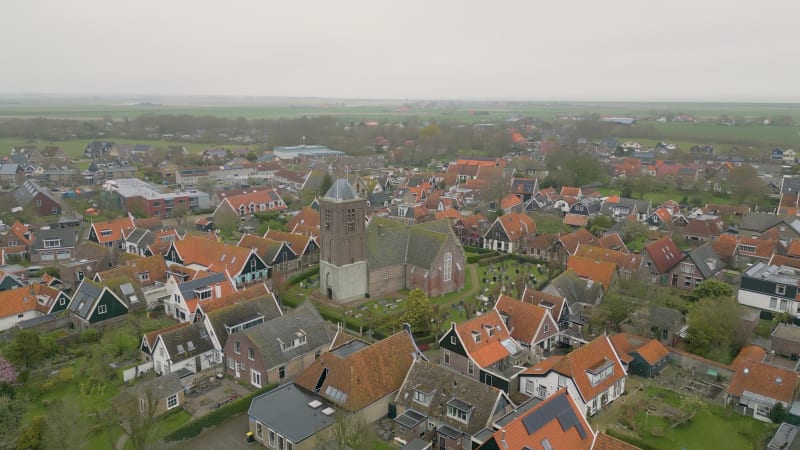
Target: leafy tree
x=600, y=223
x=31, y=436
x=179, y=213
x=63, y=427
x=11, y=411
x=327, y=182
x=26, y=349
x=713, y=288
x=715, y=329
x=8, y=374
x=745, y=186
x=419, y=311
x=251, y=156
x=207, y=185
x=778, y=413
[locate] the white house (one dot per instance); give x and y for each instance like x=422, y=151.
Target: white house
x=188, y=347
x=593, y=375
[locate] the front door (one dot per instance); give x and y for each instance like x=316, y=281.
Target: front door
x=330, y=294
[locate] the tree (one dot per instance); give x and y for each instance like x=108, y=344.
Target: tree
x=8, y=374
x=600, y=223
x=326, y=184
x=63, y=427
x=179, y=213
x=11, y=411
x=715, y=329
x=30, y=437
x=136, y=414
x=251, y=156
x=350, y=433
x=745, y=186
x=207, y=185
x=778, y=413
x=712, y=289
x=419, y=311
x=26, y=349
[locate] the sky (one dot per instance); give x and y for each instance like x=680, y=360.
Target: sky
x=700, y=50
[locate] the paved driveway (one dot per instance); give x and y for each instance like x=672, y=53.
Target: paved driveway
x=227, y=436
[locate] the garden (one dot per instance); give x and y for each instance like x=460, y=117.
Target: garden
x=655, y=418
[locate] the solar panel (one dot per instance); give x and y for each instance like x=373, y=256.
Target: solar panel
x=545, y=413
x=127, y=289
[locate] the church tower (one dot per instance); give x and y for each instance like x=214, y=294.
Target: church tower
x=343, y=270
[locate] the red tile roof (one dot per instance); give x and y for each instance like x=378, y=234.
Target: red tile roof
x=630, y=261
x=568, y=191
x=577, y=363
x=297, y=242
x=552, y=302
x=576, y=220
x=763, y=379
x=510, y=201
x=525, y=319
x=664, y=254
x=448, y=213
x=653, y=351
x=613, y=241
x=115, y=230
x=26, y=298
x=489, y=349
x=593, y=269
x=515, y=435
x=19, y=230
x=623, y=346
x=307, y=216
x=214, y=256
x=256, y=198
x=704, y=227
x=606, y=442
x=517, y=225
x=572, y=240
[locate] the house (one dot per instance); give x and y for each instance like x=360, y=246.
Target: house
x=184, y=295
x=593, y=375
x=247, y=204
x=704, y=229
x=640, y=356
x=149, y=340
x=525, y=188
x=242, y=265
x=188, y=347
x=557, y=422
x=11, y=281
x=482, y=348
x=204, y=224
x=96, y=305
x=278, y=350
x=221, y=319
x=29, y=302
x=628, y=264
x=659, y=258
x=601, y=272
x=771, y=288
x=11, y=174
x=96, y=149
x=510, y=233
x=37, y=197
x=531, y=325
x=754, y=224
x=559, y=310
x=304, y=246
x=111, y=233
x=757, y=386
x=510, y=203
x=624, y=207
x=53, y=244
x=786, y=340
x=307, y=216
x=16, y=240
x=470, y=229
x=657, y=322
x=155, y=397
x=581, y=295
x=278, y=255
x=702, y=263
x=436, y=405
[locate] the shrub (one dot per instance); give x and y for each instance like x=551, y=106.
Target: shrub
x=89, y=336
x=216, y=417
x=302, y=276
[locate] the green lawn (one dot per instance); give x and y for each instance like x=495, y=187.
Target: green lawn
x=74, y=148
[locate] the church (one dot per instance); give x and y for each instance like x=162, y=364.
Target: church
x=360, y=260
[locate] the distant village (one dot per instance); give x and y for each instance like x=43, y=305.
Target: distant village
x=292, y=275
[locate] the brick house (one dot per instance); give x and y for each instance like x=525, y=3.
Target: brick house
x=31, y=194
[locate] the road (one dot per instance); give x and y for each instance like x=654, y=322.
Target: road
x=228, y=436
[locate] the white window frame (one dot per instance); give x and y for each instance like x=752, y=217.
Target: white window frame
x=102, y=309
x=174, y=400
x=255, y=377
x=447, y=274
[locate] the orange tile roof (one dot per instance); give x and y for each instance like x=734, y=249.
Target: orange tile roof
x=749, y=353
x=472, y=221
x=510, y=201
x=215, y=256
x=448, y=213
x=593, y=269
x=490, y=348
x=794, y=249
x=296, y=241
x=780, y=260
x=262, y=245
x=613, y=241
x=606, y=442
x=25, y=298
x=570, y=191
x=150, y=338
x=576, y=220
x=572, y=240
x=154, y=266
x=725, y=245
x=552, y=302
x=118, y=229
x=366, y=375
x=525, y=319
x=764, y=379
x=307, y=216
x=653, y=351
x=515, y=434
x=630, y=261
x=543, y=366
x=262, y=197
x=576, y=363
x=613, y=199
x=664, y=254
x=517, y=225
x=477, y=162
x=764, y=246
x=305, y=230
x=231, y=297
x=19, y=230
x=623, y=346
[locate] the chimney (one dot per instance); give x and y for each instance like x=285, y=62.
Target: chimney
x=217, y=290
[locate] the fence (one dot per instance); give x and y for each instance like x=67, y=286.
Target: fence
x=137, y=371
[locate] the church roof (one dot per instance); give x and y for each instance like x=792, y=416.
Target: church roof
x=340, y=191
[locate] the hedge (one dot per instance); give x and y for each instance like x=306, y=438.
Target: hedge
x=481, y=250
x=217, y=416
x=631, y=440
x=302, y=276
x=494, y=259
x=471, y=259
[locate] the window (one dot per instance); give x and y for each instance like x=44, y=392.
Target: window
x=784, y=305
x=446, y=357
x=289, y=445
x=562, y=381
x=773, y=303
x=763, y=410
x=142, y=405
x=143, y=276
x=470, y=367
x=448, y=266
x=172, y=401
x=38, y=203
x=780, y=289
x=52, y=243
x=546, y=328
x=54, y=211
x=237, y=347
x=476, y=335
x=453, y=340
x=230, y=363
x=423, y=398
x=251, y=354
x=327, y=219
x=385, y=274
x=282, y=372
x=204, y=293
x=259, y=431
x=457, y=413
x=255, y=377
x=687, y=268
x=542, y=391
x=271, y=438
x=351, y=220
x=102, y=309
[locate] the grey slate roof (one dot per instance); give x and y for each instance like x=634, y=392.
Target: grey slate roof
x=341, y=191
x=178, y=341
x=241, y=312
x=573, y=288
x=8, y=168
x=756, y=221
x=641, y=206
x=268, y=335
x=25, y=193
x=392, y=243
x=66, y=235
x=187, y=288
x=159, y=387
x=665, y=318
x=286, y=410
x=707, y=260
x=140, y=237
x=448, y=387
x=84, y=298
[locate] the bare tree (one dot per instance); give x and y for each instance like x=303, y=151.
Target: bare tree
x=350, y=433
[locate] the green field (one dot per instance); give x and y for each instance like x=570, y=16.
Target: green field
x=687, y=134
x=74, y=147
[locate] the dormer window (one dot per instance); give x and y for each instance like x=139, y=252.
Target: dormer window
x=489, y=330
x=105, y=232
x=477, y=336
x=600, y=371
x=459, y=410
x=423, y=398
x=203, y=294
x=143, y=276
x=780, y=289
x=52, y=243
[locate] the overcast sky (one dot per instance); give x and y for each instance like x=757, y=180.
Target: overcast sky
x=528, y=50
